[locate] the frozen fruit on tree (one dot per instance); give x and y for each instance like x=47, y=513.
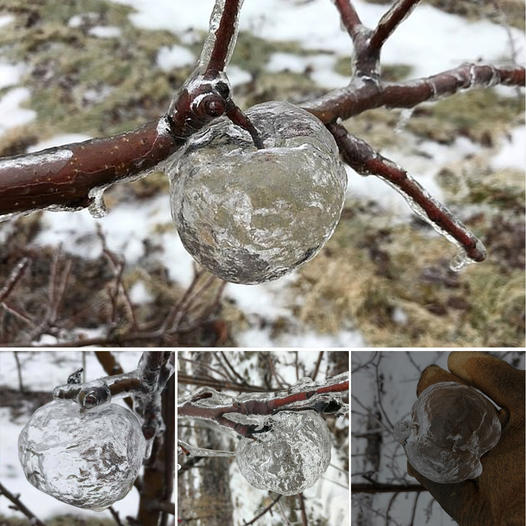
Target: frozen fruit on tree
x=87, y=458
x=451, y=427
x=288, y=458
x=252, y=215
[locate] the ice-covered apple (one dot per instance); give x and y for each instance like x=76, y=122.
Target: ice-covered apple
x=451, y=427
x=87, y=458
x=251, y=215
x=290, y=456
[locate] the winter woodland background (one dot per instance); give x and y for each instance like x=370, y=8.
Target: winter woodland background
x=212, y=491
x=84, y=68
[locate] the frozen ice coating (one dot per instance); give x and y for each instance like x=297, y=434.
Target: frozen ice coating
x=451, y=427
x=87, y=458
x=252, y=215
x=288, y=458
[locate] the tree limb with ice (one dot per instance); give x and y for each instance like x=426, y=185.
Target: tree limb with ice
x=285, y=443
x=74, y=176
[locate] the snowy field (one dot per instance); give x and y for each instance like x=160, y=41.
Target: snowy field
x=450, y=40
x=42, y=371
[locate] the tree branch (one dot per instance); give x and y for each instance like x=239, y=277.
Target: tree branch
x=398, y=12
x=363, y=159
x=255, y=406
x=378, y=487
x=263, y=511
x=20, y=506
x=349, y=16
x=360, y=96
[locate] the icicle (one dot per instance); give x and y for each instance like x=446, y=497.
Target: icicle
x=97, y=207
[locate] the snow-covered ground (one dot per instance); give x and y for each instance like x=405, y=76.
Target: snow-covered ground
x=42, y=371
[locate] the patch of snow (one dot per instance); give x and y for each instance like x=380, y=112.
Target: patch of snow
x=512, y=153
x=12, y=114
x=78, y=20
x=10, y=74
x=6, y=20
x=238, y=76
x=75, y=21
x=94, y=95
x=105, y=31
x=174, y=57
x=321, y=67
x=139, y=293
x=58, y=140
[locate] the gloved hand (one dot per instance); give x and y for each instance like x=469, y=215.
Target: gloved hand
x=496, y=498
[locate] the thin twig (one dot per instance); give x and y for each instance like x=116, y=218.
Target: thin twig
x=20, y=506
x=304, y=520
x=14, y=277
x=378, y=487
x=390, y=21
x=115, y=516
x=265, y=510
x=317, y=366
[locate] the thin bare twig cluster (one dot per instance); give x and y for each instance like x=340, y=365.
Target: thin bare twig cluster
x=25, y=323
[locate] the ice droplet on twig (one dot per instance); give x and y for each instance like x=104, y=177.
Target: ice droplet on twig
x=288, y=458
x=87, y=458
x=451, y=427
x=97, y=207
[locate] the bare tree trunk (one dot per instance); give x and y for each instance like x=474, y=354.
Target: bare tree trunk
x=213, y=505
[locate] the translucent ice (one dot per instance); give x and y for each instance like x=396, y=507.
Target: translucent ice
x=451, y=427
x=87, y=458
x=252, y=215
x=288, y=458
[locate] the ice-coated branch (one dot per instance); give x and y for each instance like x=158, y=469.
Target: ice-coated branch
x=360, y=96
x=208, y=404
x=20, y=506
x=364, y=160
x=349, y=16
x=145, y=385
x=396, y=14
x=222, y=36
x=68, y=177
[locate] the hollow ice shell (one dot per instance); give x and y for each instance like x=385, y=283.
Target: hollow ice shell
x=288, y=458
x=451, y=427
x=252, y=215
x=89, y=459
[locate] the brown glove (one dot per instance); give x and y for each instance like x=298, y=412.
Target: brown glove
x=496, y=498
